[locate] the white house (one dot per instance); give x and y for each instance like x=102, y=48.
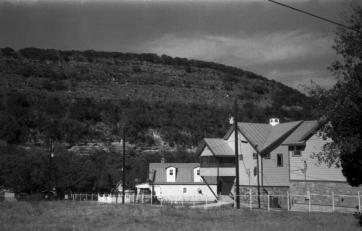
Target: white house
x=180, y=182
x=281, y=154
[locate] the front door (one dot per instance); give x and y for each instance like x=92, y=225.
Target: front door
x=225, y=185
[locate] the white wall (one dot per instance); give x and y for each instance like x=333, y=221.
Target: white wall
x=176, y=193
x=248, y=163
x=315, y=171
x=272, y=174
x=206, y=152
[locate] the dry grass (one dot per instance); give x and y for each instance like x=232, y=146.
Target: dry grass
x=94, y=216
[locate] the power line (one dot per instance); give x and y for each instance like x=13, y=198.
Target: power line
x=314, y=15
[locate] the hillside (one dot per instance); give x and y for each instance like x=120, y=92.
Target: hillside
x=80, y=101
x=175, y=99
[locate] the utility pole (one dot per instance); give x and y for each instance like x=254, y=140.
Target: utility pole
x=51, y=154
x=237, y=189
x=258, y=177
x=124, y=164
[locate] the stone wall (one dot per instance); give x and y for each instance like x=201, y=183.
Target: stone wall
x=277, y=195
x=344, y=194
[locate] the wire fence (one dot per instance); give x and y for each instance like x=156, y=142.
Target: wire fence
x=309, y=202
x=132, y=198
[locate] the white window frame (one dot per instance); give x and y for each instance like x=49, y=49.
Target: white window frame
x=171, y=174
x=296, y=150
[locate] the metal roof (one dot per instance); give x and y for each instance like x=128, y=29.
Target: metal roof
x=219, y=147
x=302, y=132
x=278, y=132
x=255, y=133
x=264, y=137
x=184, y=172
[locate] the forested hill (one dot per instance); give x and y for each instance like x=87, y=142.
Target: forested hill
x=79, y=96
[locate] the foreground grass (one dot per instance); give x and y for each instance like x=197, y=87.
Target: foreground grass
x=94, y=216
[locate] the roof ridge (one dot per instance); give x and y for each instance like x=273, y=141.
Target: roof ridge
x=294, y=125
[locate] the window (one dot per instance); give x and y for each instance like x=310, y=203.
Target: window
x=241, y=157
x=171, y=174
x=197, y=177
x=255, y=156
x=296, y=151
x=267, y=156
x=184, y=190
x=279, y=160
x=255, y=171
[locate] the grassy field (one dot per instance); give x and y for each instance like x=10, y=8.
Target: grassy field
x=94, y=216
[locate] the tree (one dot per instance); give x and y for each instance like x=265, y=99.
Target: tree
x=341, y=106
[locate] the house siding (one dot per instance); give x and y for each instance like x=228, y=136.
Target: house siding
x=194, y=192
x=315, y=171
x=273, y=175
x=247, y=163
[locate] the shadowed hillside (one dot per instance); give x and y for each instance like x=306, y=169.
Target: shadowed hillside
x=80, y=100
x=182, y=100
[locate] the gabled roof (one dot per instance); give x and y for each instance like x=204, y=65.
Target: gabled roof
x=184, y=172
x=265, y=136
x=279, y=133
x=219, y=147
x=302, y=132
x=255, y=133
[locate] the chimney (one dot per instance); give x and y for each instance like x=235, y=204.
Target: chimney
x=162, y=160
x=273, y=121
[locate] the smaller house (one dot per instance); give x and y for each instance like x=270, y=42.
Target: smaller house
x=179, y=182
x=7, y=195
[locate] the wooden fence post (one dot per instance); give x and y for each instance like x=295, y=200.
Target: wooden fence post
x=151, y=197
x=250, y=199
x=332, y=201
x=288, y=198
x=268, y=202
x=359, y=202
x=309, y=201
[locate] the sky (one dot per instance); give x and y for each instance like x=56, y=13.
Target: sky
x=255, y=35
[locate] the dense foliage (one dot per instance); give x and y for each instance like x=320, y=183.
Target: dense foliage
x=341, y=105
x=27, y=169
x=78, y=97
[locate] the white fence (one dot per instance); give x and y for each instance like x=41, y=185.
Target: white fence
x=7, y=196
x=311, y=202
x=168, y=200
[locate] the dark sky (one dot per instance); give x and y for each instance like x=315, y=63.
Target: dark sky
x=255, y=35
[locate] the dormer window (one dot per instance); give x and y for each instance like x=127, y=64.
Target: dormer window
x=171, y=174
